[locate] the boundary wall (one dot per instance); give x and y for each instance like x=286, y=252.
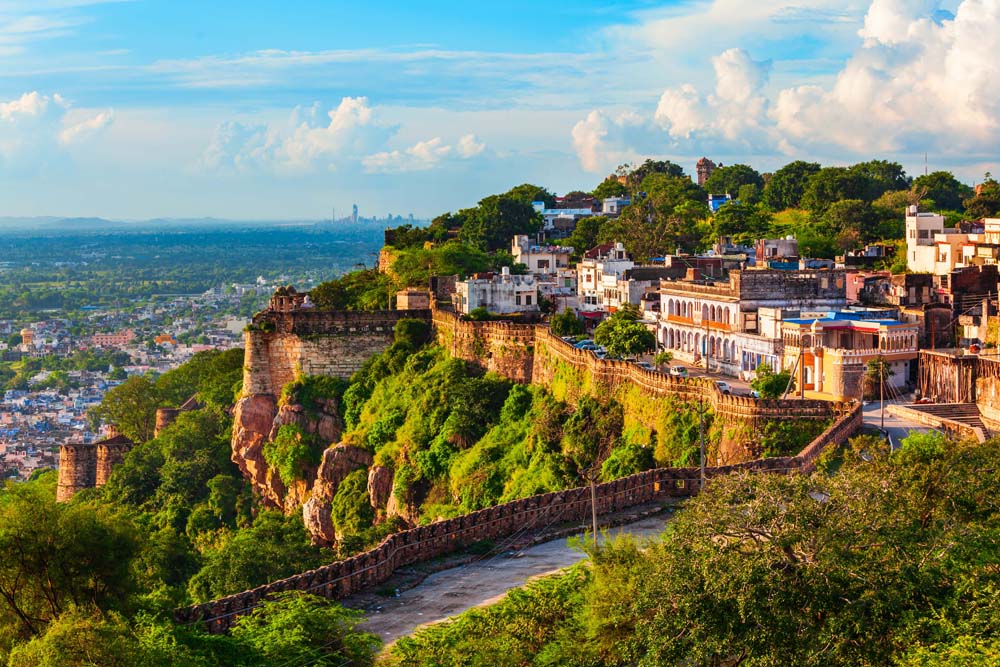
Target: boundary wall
x=523, y=353
x=342, y=578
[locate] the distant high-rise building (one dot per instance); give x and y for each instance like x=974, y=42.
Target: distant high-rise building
x=354, y=214
x=704, y=169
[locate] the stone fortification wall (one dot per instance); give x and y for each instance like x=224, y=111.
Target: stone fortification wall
x=342, y=578
x=504, y=347
x=372, y=567
x=108, y=456
x=77, y=469
x=333, y=343
x=947, y=378
x=529, y=353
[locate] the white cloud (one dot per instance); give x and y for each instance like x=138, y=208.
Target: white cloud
x=918, y=79
x=35, y=128
x=423, y=155
x=86, y=128
x=306, y=141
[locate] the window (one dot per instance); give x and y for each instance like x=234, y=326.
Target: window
x=517, y=300
x=543, y=264
x=527, y=299
x=924, y=234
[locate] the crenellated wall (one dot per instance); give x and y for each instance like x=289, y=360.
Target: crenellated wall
x=280, y=345
x=520, y=352
x=340, y=579
x=77, y=469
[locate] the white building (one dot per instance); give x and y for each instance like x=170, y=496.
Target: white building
x=540, y=259
x=497, y=293
x=932, y=248
x=612, y=206
x=598, y=274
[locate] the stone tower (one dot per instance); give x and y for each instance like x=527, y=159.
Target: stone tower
x=704, y=169
x=77, y=469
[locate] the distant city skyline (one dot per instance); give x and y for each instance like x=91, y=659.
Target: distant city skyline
x=143, y=109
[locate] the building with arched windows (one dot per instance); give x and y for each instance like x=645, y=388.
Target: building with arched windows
x=732, y=325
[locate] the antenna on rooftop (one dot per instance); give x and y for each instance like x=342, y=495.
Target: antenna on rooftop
x=925, y=163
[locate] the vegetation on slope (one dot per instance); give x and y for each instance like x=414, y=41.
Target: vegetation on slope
x=889, y=560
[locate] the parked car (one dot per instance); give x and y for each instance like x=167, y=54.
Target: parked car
x=679, y=371
x=646, y=365
x=754, y=393
x=580, y=345
x=723, y=387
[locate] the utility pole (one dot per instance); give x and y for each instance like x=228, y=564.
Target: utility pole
x=881, y=390
x=701, y=438
x=593, y=506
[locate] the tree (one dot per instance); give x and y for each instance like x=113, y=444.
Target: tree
x=623, y=336
x=769, y=384
x=56, y=556
x=528, y=193
x=881, y=176
x=584, y=236
x=662, y=358
x=609, y=187
x=745, y=223
x=943, y=189
x=851, y=215
x=729, y=180
x=635, y=176
x=566, y=323
x=877, y=374
x=303, y=629
x=986, y=203
x=787, y=185
x=665, y=219
x=131, y=406
x=833, y=184
x=491, y=225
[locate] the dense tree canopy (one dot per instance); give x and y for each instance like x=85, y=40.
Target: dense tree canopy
x=943, y=189
x=887, y=559
x=666, y=219
x=786, y=186
x=729, y=180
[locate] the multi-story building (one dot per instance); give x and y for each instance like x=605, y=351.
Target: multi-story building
x=612, y=206
x=599, y=270
x=829, y=354
x=497, y=293
x=116, y=340
x=719, y=322
x=541, y=259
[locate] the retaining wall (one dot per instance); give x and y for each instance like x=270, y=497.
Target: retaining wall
x=340, y=579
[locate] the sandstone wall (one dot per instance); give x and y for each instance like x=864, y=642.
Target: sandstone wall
x=77, y=469
x=108, y=456
x=345, y=577
x=278, y=346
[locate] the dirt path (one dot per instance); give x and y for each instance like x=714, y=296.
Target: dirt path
x=453, y=591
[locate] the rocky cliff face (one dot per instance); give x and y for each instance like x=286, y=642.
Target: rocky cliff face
x=256, y=421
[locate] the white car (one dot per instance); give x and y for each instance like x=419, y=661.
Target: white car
x=679, y=371
x=723, y=387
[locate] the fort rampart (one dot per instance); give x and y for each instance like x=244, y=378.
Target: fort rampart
x=523, y=353
x=340, y=579
x=280, y=345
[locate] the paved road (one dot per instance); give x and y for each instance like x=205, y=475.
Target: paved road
x=897, y=427
x=453, y=591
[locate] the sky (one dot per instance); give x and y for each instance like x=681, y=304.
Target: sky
x=137, y=109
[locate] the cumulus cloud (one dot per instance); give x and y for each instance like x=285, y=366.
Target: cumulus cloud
x=86, y=128
x=35, y=128
x=919, y=79
x=350, y=133
x=423, y=155
x=602, y=141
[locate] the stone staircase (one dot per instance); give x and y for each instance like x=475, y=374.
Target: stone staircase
x=961, y=413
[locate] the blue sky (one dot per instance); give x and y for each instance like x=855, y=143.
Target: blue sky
x=138, y=109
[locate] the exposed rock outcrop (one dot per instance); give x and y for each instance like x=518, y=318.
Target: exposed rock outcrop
x=253, y=418
x=338, y=463
x=257, y=420
x=379, y=490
